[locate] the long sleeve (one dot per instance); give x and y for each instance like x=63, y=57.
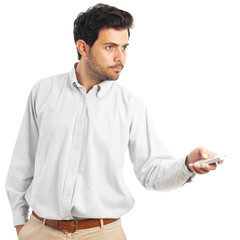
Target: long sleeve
x=21, y=170
x=70, y=151
x=155, y=167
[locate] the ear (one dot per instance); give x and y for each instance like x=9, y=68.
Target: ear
x=82, y=48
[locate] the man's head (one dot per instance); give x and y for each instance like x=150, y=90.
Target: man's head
x=88, y=24
x=101, y=36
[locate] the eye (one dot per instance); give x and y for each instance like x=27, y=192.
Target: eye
x=124, y=47
x=109, y=47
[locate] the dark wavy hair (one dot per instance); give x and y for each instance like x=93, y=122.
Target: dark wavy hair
x=101, y=16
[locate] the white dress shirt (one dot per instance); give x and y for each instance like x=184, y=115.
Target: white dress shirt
x=69, y=153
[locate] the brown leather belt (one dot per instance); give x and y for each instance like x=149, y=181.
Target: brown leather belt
x=73, y=224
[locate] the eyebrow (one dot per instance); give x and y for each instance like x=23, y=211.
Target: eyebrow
x=115, y=44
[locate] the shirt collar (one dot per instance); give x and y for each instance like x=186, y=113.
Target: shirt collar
x=101, y=89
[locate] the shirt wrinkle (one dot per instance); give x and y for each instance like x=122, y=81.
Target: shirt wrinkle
x=71, y=147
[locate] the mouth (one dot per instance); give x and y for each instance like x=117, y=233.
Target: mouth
x=117, y=68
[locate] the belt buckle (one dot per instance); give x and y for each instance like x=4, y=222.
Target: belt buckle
x=74, y=225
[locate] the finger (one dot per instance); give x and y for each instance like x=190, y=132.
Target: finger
x=193, y=168
x=205, y=168
x=202, y=168
x=211, y=167
x=196, y=169
x=205, y=153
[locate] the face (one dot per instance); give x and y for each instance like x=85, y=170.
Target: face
x=107, y=56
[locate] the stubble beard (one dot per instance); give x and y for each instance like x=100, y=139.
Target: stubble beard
x=97, y=72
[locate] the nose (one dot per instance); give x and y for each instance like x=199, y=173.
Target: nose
x=119, y=56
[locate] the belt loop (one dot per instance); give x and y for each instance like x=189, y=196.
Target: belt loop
x=44, y=220
x=101, y=223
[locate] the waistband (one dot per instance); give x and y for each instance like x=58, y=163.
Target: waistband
x=73, y=225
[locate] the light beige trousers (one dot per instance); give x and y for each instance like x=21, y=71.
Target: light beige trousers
x=34, y=229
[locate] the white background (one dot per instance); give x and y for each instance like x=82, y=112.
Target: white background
x=183, y=62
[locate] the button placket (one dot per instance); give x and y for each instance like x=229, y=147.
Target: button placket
x=75, y=157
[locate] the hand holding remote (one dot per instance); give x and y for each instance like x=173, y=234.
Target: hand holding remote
x=201, y=154
x=213, y=159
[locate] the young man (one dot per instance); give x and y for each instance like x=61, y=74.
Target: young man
x=68, y=158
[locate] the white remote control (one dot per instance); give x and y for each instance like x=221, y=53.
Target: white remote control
x=212, y=159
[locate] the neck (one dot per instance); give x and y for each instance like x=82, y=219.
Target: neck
x=83, y=77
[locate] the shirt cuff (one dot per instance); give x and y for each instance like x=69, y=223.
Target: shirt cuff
x=20, y=219
x=185, y=172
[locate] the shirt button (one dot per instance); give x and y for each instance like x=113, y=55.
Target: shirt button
x=67, y=194
x=79, y=122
